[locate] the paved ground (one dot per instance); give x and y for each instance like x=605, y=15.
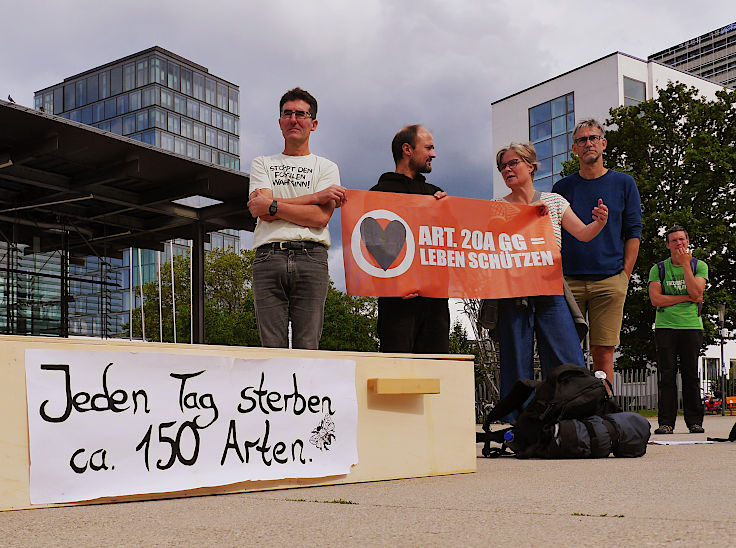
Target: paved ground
x=675, y=495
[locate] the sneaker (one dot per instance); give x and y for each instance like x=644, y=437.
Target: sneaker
x=696, y=429
x=664, y=429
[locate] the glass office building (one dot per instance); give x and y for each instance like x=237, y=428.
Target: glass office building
x=711, y=56
x=158, y=98
x=161, y=99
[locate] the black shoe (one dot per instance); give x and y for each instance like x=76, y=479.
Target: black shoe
x=664, y=429
x=696, y=429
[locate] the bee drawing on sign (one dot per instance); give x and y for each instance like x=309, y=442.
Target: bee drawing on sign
x=324, y=434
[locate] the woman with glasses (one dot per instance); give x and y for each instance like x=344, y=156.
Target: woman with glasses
x=546, y=316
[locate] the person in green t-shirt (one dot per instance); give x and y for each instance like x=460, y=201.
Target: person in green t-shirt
x=678, y=331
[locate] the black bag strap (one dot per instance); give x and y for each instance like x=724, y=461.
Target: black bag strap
x=613, y=433
x=520, y=392
x=591, y=434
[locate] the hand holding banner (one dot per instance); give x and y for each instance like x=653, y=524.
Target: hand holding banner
x=398, y=244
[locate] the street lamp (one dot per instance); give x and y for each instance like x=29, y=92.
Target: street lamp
x=722, y=320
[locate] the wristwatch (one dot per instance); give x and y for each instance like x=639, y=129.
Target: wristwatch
x=273, y=208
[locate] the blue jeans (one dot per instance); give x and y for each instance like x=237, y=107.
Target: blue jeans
x=549, y=318
x=290, y=285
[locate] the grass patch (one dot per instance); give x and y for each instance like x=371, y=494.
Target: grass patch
x=333, y=501
x=597, y=515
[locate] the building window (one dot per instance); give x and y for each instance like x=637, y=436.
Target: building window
x=69, y=97
x=634, y=92
x=180, y=146
x=116, y=80
x=93, y=88
x=81, y=92
x=141, y=120
x=173, y=73
x=186, y=81
x=134, y=100
x=210, y=136
x=142, y=72
x=128, y=125
x=198, y=132
x=233, y=102
x=192, y=150
x=98, y=112
x=128, y=76
x=48, y=102
x=105, y=84
x=167, y=141
x=228, y=123
x=180, y=104
x=122, y=104
x=193, y=109
x=217, y=118
x=187, y=129
x=205, y=114
x=167, y=99
x=149, y=96
x=210, y=91
x=222, y=96
x=550, y=130
x=158, y=118
x=198, y=86
x=158, y=70
x=59, y=100
x=174, y=125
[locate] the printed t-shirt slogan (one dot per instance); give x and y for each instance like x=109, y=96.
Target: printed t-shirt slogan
x=398, y=244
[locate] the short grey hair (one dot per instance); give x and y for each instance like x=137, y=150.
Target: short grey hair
x=588, y=122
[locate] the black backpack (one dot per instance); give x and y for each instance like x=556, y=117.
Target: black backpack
x=570, y=401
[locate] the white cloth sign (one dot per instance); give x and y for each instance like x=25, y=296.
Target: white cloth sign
x=107, y=423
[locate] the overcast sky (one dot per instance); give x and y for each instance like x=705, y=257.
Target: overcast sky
x=374, y=66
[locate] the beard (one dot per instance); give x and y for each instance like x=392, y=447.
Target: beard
x=425, y=167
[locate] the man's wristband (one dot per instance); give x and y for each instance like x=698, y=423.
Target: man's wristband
x=273, y=208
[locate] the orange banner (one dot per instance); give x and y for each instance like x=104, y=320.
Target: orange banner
x=398, y=244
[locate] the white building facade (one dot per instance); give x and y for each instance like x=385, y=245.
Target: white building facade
x=546, y=113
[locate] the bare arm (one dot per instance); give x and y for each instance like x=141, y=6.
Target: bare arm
x=631, y=252
x=695, y=284
x=572, y=223
x=303, y=214
x=661, y=300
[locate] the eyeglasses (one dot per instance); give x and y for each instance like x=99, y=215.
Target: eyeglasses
x=300, y=114
x=511, y=163
x=581, y=141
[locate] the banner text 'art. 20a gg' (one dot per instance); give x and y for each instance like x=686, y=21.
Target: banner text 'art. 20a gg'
x=399, y=244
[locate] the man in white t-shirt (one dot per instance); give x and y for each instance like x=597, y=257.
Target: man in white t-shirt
x=293, y=195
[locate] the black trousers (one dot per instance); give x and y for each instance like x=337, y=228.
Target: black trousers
x=683, y=344
x=420, y=325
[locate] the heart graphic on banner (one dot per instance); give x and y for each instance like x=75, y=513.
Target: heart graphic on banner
x=384, y=244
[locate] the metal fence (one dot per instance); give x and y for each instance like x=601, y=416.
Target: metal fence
x=633, y=389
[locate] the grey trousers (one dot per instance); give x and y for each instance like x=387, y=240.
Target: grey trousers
x=290, y=286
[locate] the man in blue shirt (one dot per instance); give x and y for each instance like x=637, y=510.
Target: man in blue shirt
x=598, y=271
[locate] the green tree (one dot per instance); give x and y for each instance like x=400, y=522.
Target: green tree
x=229, y=312
x=679, y=147
x=459, y=342
x=350, y=322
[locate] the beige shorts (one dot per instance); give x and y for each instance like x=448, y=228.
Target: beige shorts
x=602, y=301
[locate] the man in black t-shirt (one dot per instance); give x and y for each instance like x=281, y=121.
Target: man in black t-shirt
x=410, y=323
